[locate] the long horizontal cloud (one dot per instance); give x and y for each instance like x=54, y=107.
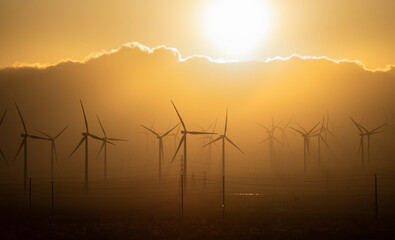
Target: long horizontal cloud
x=176, y=53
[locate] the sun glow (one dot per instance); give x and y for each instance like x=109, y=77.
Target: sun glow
x=237, y=26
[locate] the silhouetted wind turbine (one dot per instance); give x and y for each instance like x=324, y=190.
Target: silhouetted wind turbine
x=210, y=138
x=53, y=146
x=147, y=134
x=320, y=137
x=284, y=138
x=271, y=138
x=160, y=138
x=25, y=137
x=1, y=152
x=183, y=140
x=85, y=136
x=106, y=140
x=327, y=128
x=364, y=132
x=306, y=140
x=223, y=137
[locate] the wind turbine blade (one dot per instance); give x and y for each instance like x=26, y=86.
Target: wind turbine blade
x=275, y=139
x=43, y=133
x=357, y=124
x=117, y=139
x=20, y=147
x=5, y=159
x=95, y=137
x=313, y=128
x=301, y=127
x=2, y=118
x=265, y=140
x=218, y=138
x=371, y=133
x=109, y=142
x=101, y=149
x=37, y=137
x=289, y=122
x=377, y=128
x=230, y=141
x=215, y=124
x=179, y=116
x=170, y=130
x=101, y=125
x=79, y=144
x=323, y=139
x=263, y=126
x=150, y=130
x=226, y=122
x=20, y=115
x=197, y=133
x=297, y=130
x=60, y=133
x=86, y=121
x=277, y=125
x=322, y=125
x=178, y=148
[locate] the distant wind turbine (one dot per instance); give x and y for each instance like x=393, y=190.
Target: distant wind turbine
x=223, y=137
x=320, y=137
x=85, y=136
x=53, y=146
x=24, y=142
x=364, y=132
x=160, y=138
x=306, y=141
x=183, y=141
x=271, y=138
x=106, y=140
x=283, y=129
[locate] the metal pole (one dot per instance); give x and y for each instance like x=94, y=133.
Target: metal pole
x=86, y=163
x=182, y=195
x=30, y=197
x=223, y=179
x=375, y=196
x=52, y=200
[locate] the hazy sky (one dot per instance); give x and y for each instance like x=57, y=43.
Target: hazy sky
x=47, y=31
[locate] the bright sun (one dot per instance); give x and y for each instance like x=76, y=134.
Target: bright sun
x=237, y=26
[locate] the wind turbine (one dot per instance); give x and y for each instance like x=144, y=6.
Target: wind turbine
x=85, y=136
x=271, y=138
x=364, y=132
x=306, y=140
x=223, y=137
x=147, y=135
x=1, y=152
x=321, y=137
x=284, y=138
x=160, y=138
x=183, y=141
x=106, y=140
x=209, y=138
x=53, y=146
x=25, y=135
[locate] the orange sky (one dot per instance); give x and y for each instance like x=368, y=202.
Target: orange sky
x=47, y=31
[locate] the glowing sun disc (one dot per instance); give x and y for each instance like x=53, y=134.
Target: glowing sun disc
x=237, y=26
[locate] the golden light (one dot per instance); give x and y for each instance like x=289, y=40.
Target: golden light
x=237, y=27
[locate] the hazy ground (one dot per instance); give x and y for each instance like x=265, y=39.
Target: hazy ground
x=292, y=206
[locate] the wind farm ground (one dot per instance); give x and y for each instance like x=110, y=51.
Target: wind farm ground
x=315, y=205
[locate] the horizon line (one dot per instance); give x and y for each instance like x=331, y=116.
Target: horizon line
x=175, y=51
